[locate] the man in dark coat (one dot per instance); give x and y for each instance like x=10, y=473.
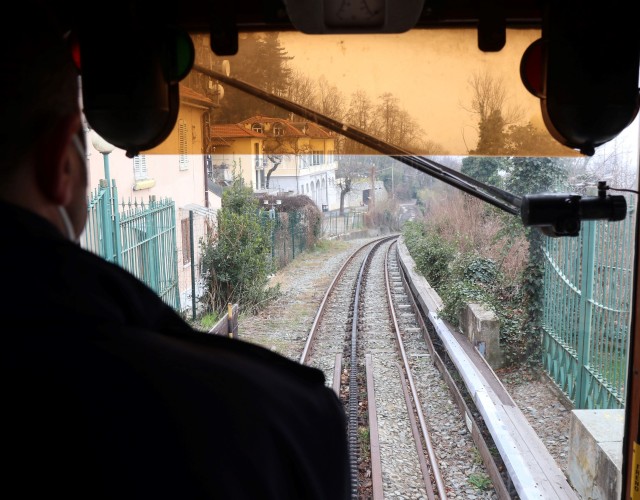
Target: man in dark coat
x=107, y=392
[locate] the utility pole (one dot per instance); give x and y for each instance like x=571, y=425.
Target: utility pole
x=393, y=188
x=372, y=195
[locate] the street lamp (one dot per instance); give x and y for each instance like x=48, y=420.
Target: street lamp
x=111, y=237
x=104, y=148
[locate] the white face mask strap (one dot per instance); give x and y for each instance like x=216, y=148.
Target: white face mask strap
x=67, y=223
x=79, y=147
x=63, y=212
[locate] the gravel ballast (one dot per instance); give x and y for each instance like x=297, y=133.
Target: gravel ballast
x=283, y=325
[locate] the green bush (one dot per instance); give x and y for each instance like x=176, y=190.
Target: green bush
x=482, y=271
x=471, y=279
x=431, y=253
x=236, y=260
x=462, y=278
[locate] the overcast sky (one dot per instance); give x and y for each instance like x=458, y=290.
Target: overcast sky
x=429, y=71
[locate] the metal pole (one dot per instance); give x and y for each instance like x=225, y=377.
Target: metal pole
x=107, y=174
x=586, y=313
x=293, y=237
x=273, y=240
x=193, y=267
x=110, y=241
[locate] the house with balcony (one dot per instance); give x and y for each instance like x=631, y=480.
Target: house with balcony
x=175, y=169
x=277, y=156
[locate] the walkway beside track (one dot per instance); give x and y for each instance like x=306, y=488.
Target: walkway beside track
x=534, y=472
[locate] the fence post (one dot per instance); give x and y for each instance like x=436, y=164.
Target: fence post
x=232, y=320
x=586, y=310
x=151, y=249
x=293, y=236
x=193, y=266
x=117, y=237
x=108, y=227
x=273, y=239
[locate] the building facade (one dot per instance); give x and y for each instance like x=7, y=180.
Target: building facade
x=277, y=156
x=175, y=169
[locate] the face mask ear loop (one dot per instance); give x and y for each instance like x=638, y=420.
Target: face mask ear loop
x=79, y=147
x=67, y=223
x=77, y=143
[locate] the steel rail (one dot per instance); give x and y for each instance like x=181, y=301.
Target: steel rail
x=354, y=403
x=433, y=459
x=483, y=448
x=424, y=467
x=374, y=435
x=304, y=357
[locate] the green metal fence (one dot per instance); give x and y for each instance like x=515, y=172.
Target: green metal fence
x=587, y=311
x=334, y=224
x=140, y=237
x=291, y=234
x=149, y=248
x=100, y=234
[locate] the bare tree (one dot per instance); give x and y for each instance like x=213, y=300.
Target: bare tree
x=330, y=99
x=278, y=148
x=275, y=161
x=344, y=184
x=610, y=164
x=360, y=115
x=360, y=110
x=386, y=117
x=490, y=96
x=302, y=90
x=489, y=102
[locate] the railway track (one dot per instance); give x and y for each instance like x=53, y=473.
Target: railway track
x=414, y=429
x=381, y=347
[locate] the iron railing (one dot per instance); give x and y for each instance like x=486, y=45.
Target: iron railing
x=138, y=236
x=587, y=311
x=334, y=224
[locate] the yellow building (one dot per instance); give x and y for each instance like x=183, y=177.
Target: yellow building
x=275, y=155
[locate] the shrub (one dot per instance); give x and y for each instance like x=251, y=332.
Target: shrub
x=469, y=252
x=236, y=260
x=431, y=253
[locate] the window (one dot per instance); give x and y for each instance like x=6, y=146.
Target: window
x=140, y=172
x=257, y=127
x=278, y=129
x=183, y=159
x=317, y=158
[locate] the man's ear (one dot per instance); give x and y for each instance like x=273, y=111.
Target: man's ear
x=54, y=174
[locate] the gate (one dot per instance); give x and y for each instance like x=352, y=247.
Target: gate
x=139, y=237
x=100, y=235
x=587, y=312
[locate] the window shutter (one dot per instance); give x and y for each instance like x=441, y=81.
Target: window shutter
x=183, y=159
x=140, y=168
